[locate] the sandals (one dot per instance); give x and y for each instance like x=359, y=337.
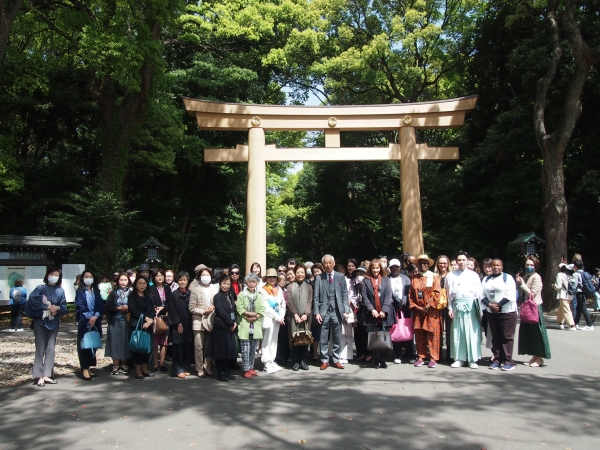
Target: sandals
x=41, y=383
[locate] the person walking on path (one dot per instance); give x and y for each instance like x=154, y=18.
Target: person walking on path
x=563, y=284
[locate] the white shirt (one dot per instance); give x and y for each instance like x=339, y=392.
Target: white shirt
x=397, y=288
x=495, y=289
x=463, y=284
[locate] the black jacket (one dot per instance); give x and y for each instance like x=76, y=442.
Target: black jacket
x=224, y=308
x=140, y=305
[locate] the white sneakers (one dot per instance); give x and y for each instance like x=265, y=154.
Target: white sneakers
x=456, y=364
x=272, y=367
x=590, y=328
x=561, y=326
x=397, y=361
x=343, y=361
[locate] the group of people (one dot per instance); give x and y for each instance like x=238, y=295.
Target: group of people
x=298, y=311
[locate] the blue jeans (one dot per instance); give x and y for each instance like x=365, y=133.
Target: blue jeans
x=597, y=300
x=16, y=315
x=578, y=307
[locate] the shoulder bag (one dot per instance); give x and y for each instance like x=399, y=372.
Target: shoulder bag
x=529, y=310
x=402, y=330
x=140, y=340
x=91, y=340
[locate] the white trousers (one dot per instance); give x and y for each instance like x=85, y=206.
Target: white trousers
x=269, y=344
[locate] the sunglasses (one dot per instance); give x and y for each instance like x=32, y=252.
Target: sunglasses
x=271, y=277
x=234, y=273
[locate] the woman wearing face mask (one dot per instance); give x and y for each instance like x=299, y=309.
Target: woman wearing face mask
x=46, y=304
x=88, y=313
x=533, y=339
x=117, y=339
x=201, y=305
x=132, y=276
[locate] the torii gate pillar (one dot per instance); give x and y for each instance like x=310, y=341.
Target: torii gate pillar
x=410, y=193
x=256, y=204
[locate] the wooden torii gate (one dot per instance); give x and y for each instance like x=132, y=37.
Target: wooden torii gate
x=332, y=120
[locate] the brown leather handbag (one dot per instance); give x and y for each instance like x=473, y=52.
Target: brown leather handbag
x=302, y=337
x=160, y=327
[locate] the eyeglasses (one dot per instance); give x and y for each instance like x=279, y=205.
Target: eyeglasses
x=281, y=271
x=271, y=277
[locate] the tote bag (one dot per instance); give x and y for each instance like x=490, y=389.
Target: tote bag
x=402, y=330
x=529, y=310
x=140, y=340
x=379, y=340
x=91, y=340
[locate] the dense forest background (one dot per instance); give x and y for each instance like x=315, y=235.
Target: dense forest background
x=95, y=142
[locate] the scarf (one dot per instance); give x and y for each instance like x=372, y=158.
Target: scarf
x=376, y=282
x=271, y=290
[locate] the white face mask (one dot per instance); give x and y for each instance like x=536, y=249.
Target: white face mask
x=132, y=279
x=88, y=281
x=360, y=278
x=52, y=279
x=308, y=272
x=205, y=279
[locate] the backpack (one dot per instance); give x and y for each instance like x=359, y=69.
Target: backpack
x=17, y=295
x=571, y=285
x=587, y=286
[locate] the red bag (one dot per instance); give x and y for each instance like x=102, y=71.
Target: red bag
x=402, y=330
x=529, y=310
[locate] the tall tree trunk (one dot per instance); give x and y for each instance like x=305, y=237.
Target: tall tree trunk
x=8, y=13
x=553, y=145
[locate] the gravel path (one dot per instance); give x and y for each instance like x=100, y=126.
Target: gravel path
x=17, y=352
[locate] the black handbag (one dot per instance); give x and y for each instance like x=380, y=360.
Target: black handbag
x=380, y=340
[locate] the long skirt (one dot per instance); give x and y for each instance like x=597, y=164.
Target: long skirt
x=117, y=341
x=533, y=339
x=466, y=332
x=87, y=357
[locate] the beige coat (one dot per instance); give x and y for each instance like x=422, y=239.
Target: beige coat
x=533, y=284
x=198, y=304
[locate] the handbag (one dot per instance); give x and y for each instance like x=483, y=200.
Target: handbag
x=402, y=330
x=529, y=310
x=91, y=340
x=160, y=327
x=443, y=300
x=140, y=340
x=379, y=340
x=302, y=337
x=208, y=321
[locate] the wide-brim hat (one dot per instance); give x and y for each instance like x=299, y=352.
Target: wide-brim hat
x=144, y=267
x=271, y=272
x=425, y=258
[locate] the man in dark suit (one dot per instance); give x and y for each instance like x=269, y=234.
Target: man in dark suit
x=330, y=308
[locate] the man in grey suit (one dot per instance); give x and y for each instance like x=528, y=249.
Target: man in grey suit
x=330, y=306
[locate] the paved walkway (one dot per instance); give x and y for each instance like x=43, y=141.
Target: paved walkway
x=554, y=407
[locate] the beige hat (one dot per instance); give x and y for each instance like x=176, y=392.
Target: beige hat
x=200, y=267
x=271, y=272
x=426, y=258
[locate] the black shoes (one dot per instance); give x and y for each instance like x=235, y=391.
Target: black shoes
x=223, y=377
x=163, y=368
x=296, y=367
x=303, y=365
x=231, y=377
x=148, y=375
x=383, y=364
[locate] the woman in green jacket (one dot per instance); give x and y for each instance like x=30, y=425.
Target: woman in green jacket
x=251, y=309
